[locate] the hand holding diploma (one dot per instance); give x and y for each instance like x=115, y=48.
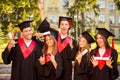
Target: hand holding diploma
x=40, y=4
x=11, y=42
x=109, y=62
x=39, y=35
x=42, y=60
x=79, y=57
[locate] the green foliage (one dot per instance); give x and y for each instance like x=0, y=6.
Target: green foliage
x=117, y=3
x=77, y=11
x=13, y=12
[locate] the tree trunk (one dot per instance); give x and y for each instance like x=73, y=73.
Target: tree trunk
x=83, y=21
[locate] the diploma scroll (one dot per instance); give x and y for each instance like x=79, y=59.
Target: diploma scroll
x=45, y=33
x=10, y=35
x=101, y=58
x=84, y=52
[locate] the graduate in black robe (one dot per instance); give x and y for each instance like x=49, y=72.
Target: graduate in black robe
x=67, y=46
x=104, y=58
x=49, y=66
x=82, y=61
x=23, y=55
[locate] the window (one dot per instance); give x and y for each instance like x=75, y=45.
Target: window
x=119, y=19
x=65, y=3
x=119, y=33
x=112, y=31
x=53, y=18
x=101, y=3
x=89, y=17
x=101, y=18
x=111, y=6
x=112, y=20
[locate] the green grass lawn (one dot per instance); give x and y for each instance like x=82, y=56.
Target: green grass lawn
x=2, y=47
x=117, y=47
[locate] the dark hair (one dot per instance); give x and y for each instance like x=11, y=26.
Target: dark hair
x=45, y=47
x=63, y=19
x=105, y=41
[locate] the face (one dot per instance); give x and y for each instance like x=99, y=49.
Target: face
x=49, y=41
x=27, y=33
x=64, y=26
x=83, y=42
x=100, y=40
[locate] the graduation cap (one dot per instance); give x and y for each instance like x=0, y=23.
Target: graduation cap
x=88, y=37
x=52, y=32
x=61, y=18
x=24, y=24
x=104, y=32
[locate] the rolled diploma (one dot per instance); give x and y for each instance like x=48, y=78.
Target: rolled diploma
x=46, y=33
x=84, y=52
x=101, y=58
x=10, y=35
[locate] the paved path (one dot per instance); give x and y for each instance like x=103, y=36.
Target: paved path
x=6, y=69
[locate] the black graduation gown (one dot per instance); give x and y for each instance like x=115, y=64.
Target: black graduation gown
x=22, y=69
x=67, y=54
x=106, y=73
x=48, y=72
x=81, y=71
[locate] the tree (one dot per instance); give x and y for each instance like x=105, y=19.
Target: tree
x=78, y=9
x=117, y=3
x=16, y=11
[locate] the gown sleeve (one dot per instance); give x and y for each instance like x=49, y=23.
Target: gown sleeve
x=44, y=26
x=59, y=66
x=83, y=67
x=8, y=56
x=73, y=51
x=42, y=70
x=114, y=71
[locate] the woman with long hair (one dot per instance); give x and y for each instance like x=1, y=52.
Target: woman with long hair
x=104, y=58
x=82, y=61
x=50, y=64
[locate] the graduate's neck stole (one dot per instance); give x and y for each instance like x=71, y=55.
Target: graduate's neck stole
x=101, y=63
x=62, y=45
x=26, y=51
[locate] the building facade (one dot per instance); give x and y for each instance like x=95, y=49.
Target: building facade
x=109, y=16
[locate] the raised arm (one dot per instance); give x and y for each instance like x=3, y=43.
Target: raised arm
x=8, y=53
x=41, y=8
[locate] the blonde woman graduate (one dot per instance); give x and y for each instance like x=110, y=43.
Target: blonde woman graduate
x=82, y=61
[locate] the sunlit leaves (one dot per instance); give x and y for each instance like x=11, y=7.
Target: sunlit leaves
x=16, y=11
x=117, y=3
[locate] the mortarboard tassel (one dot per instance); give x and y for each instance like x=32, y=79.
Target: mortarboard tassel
x=70, y=23
x=14, y=34
x=112, y=42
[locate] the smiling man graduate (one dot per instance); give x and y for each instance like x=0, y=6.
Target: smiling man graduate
x=23, y=54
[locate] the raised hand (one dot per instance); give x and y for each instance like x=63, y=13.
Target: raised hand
x=70, y=43
x=38, y=35
x=11, y=44
x=41, y=8
x=94, y=62
x=42, y=60
x=109, y=62
x=40, y=5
